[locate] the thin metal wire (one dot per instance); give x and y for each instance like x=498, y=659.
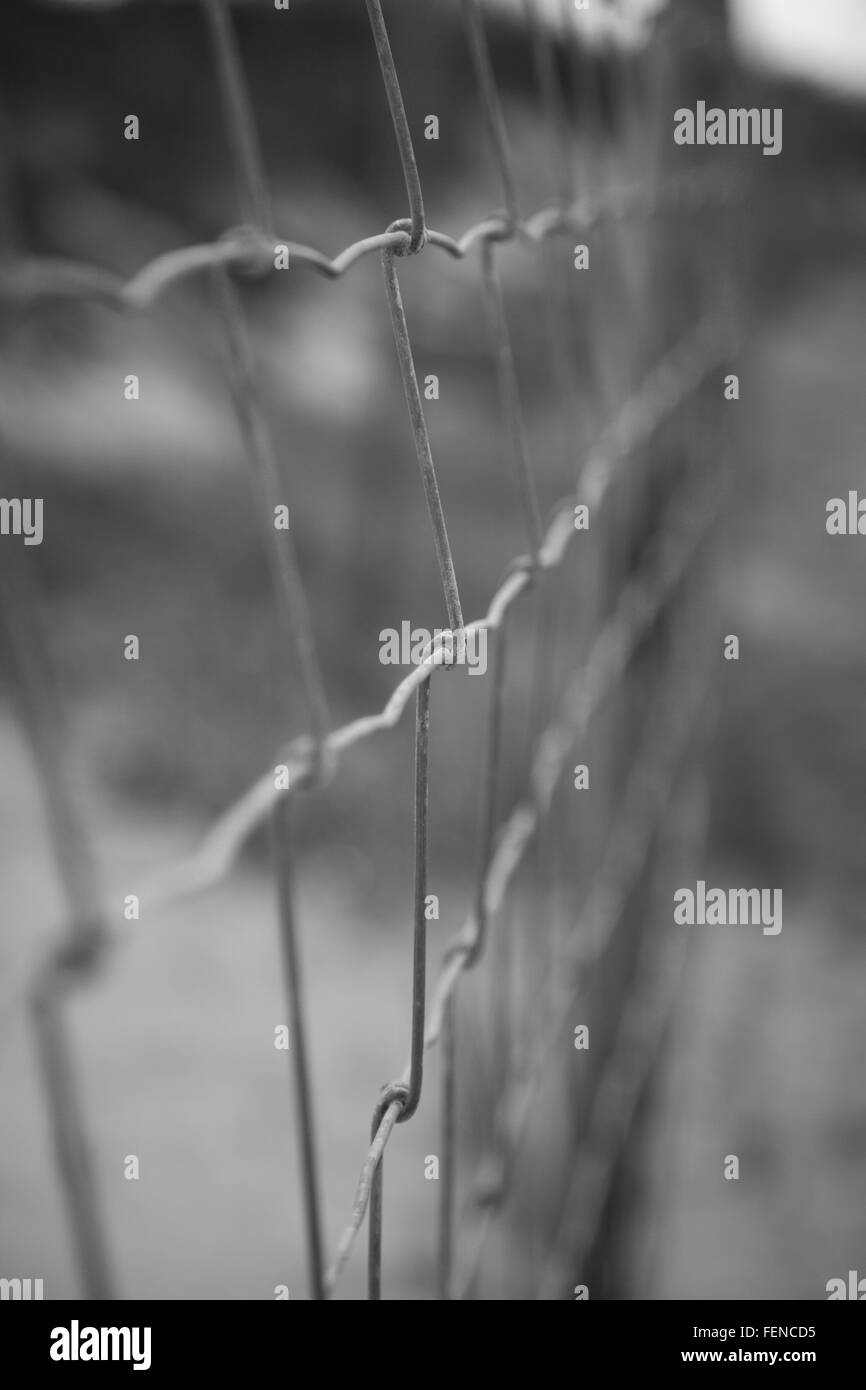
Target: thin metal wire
x=506, y=371
x=494, y=118
x=541, y=867
x=382, y=1127
x=671, y=729
x=509, y=397
x=40, y=714
x=292, y=608
x=641, y=602
x=410, y=1091
x=391, y=1105
x=422, y=441
x=583, y=88
x=69, y=1134
x=447, y=1147
x=419, y=929
x=561, y=299
x=400, y=123
x=239, y=121
x=553, y=103
x=560, y=305
x=645, y=1018
x=298, y=1043
x=667, y=386
x=639, y=1040
x=488, y=794
x=448, y=1097
x=26, y=280
x=77, y=956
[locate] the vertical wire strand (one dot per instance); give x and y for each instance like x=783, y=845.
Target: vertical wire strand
x=41, y=718
x=419, y=933
x=552, y=97
x=407, y=1094
x=494, y=118
x=238, y=114
x=541, y=862
x=487, y=823
x=423, y=451
x=448, y=1084
x=546, y=861
x=400, y=123
x=593, y=172
x=386, y=1115
x=447, y=1148
x=509, y=397
x=506, y=372
x=80, y=950
x=70, y=1140
x=293, y=610
x=557, y=296
x=281, y=829
x=292, y=607
x=374, y=1246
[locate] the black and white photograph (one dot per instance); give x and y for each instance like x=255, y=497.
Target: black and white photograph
x=432, y=669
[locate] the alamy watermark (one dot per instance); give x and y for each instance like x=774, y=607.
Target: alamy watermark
x=22, y=516
x=21, y=1289
x=737, y=126
x=712, y=907
x=853, y=1288
x=76, y=1343
x=412, y=646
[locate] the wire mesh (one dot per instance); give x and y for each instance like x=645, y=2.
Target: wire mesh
x=633, y=612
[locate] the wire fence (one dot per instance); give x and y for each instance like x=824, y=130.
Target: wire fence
x=619, y=569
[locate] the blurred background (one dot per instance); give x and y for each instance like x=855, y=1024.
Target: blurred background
x=150, y=529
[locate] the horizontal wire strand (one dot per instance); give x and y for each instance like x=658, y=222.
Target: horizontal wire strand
x=26, y=279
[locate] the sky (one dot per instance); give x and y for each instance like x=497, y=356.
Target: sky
x=821, y=39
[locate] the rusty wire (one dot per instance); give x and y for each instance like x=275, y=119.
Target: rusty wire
x=249, y=248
